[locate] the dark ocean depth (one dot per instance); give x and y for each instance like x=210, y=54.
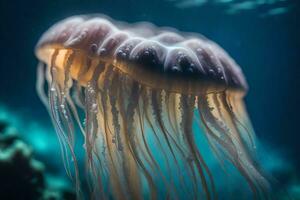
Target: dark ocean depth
x=264, y=39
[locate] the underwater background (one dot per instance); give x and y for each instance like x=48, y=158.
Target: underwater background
x=262, y=36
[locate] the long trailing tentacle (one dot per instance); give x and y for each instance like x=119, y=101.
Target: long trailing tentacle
x=140, y=140
x=220, y=125
x=62, y=122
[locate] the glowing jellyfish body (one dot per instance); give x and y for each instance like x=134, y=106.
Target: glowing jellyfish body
x=141, y=89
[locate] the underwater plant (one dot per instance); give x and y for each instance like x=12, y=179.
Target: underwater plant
x=143, y=90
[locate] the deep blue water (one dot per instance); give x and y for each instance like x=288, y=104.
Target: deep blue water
x=267, y=47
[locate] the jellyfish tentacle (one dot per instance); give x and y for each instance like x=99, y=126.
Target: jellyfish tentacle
x=214, y=147
x=142, y=141
x=212, y=113
x=204, y=111
x=152, y=162
x=91, y=125
x=74, y=112
x=242, y=154
x=156, y=102
x=64, y=86
x=224, y=138
x=157, y=110
x=54, y=111
x=246, y=156
x=78, y=95
x=40, y=85
x=170, y=99
x=230, y=142
x=174, y=109
x=126, y=109
x=187, y=106
x=117, y=137
x=114, y=111
x=127, y=120
x=68, y=84
x=157, y=140
x=178, y=145
x=68, y=61
x=66, y=145
x=114, y=180
x=54, y=117
x=150, y=121
x=104, y=95
x=228, y=117
x=232, y=100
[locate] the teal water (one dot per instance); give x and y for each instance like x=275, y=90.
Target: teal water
x=262, y=36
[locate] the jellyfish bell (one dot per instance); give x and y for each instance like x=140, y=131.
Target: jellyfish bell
x=141, y=89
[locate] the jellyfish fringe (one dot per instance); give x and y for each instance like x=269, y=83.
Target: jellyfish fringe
x=139, y=141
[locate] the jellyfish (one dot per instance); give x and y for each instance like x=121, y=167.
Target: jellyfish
x=135, y=93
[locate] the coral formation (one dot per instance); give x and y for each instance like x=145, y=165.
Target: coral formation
x=21, y=175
